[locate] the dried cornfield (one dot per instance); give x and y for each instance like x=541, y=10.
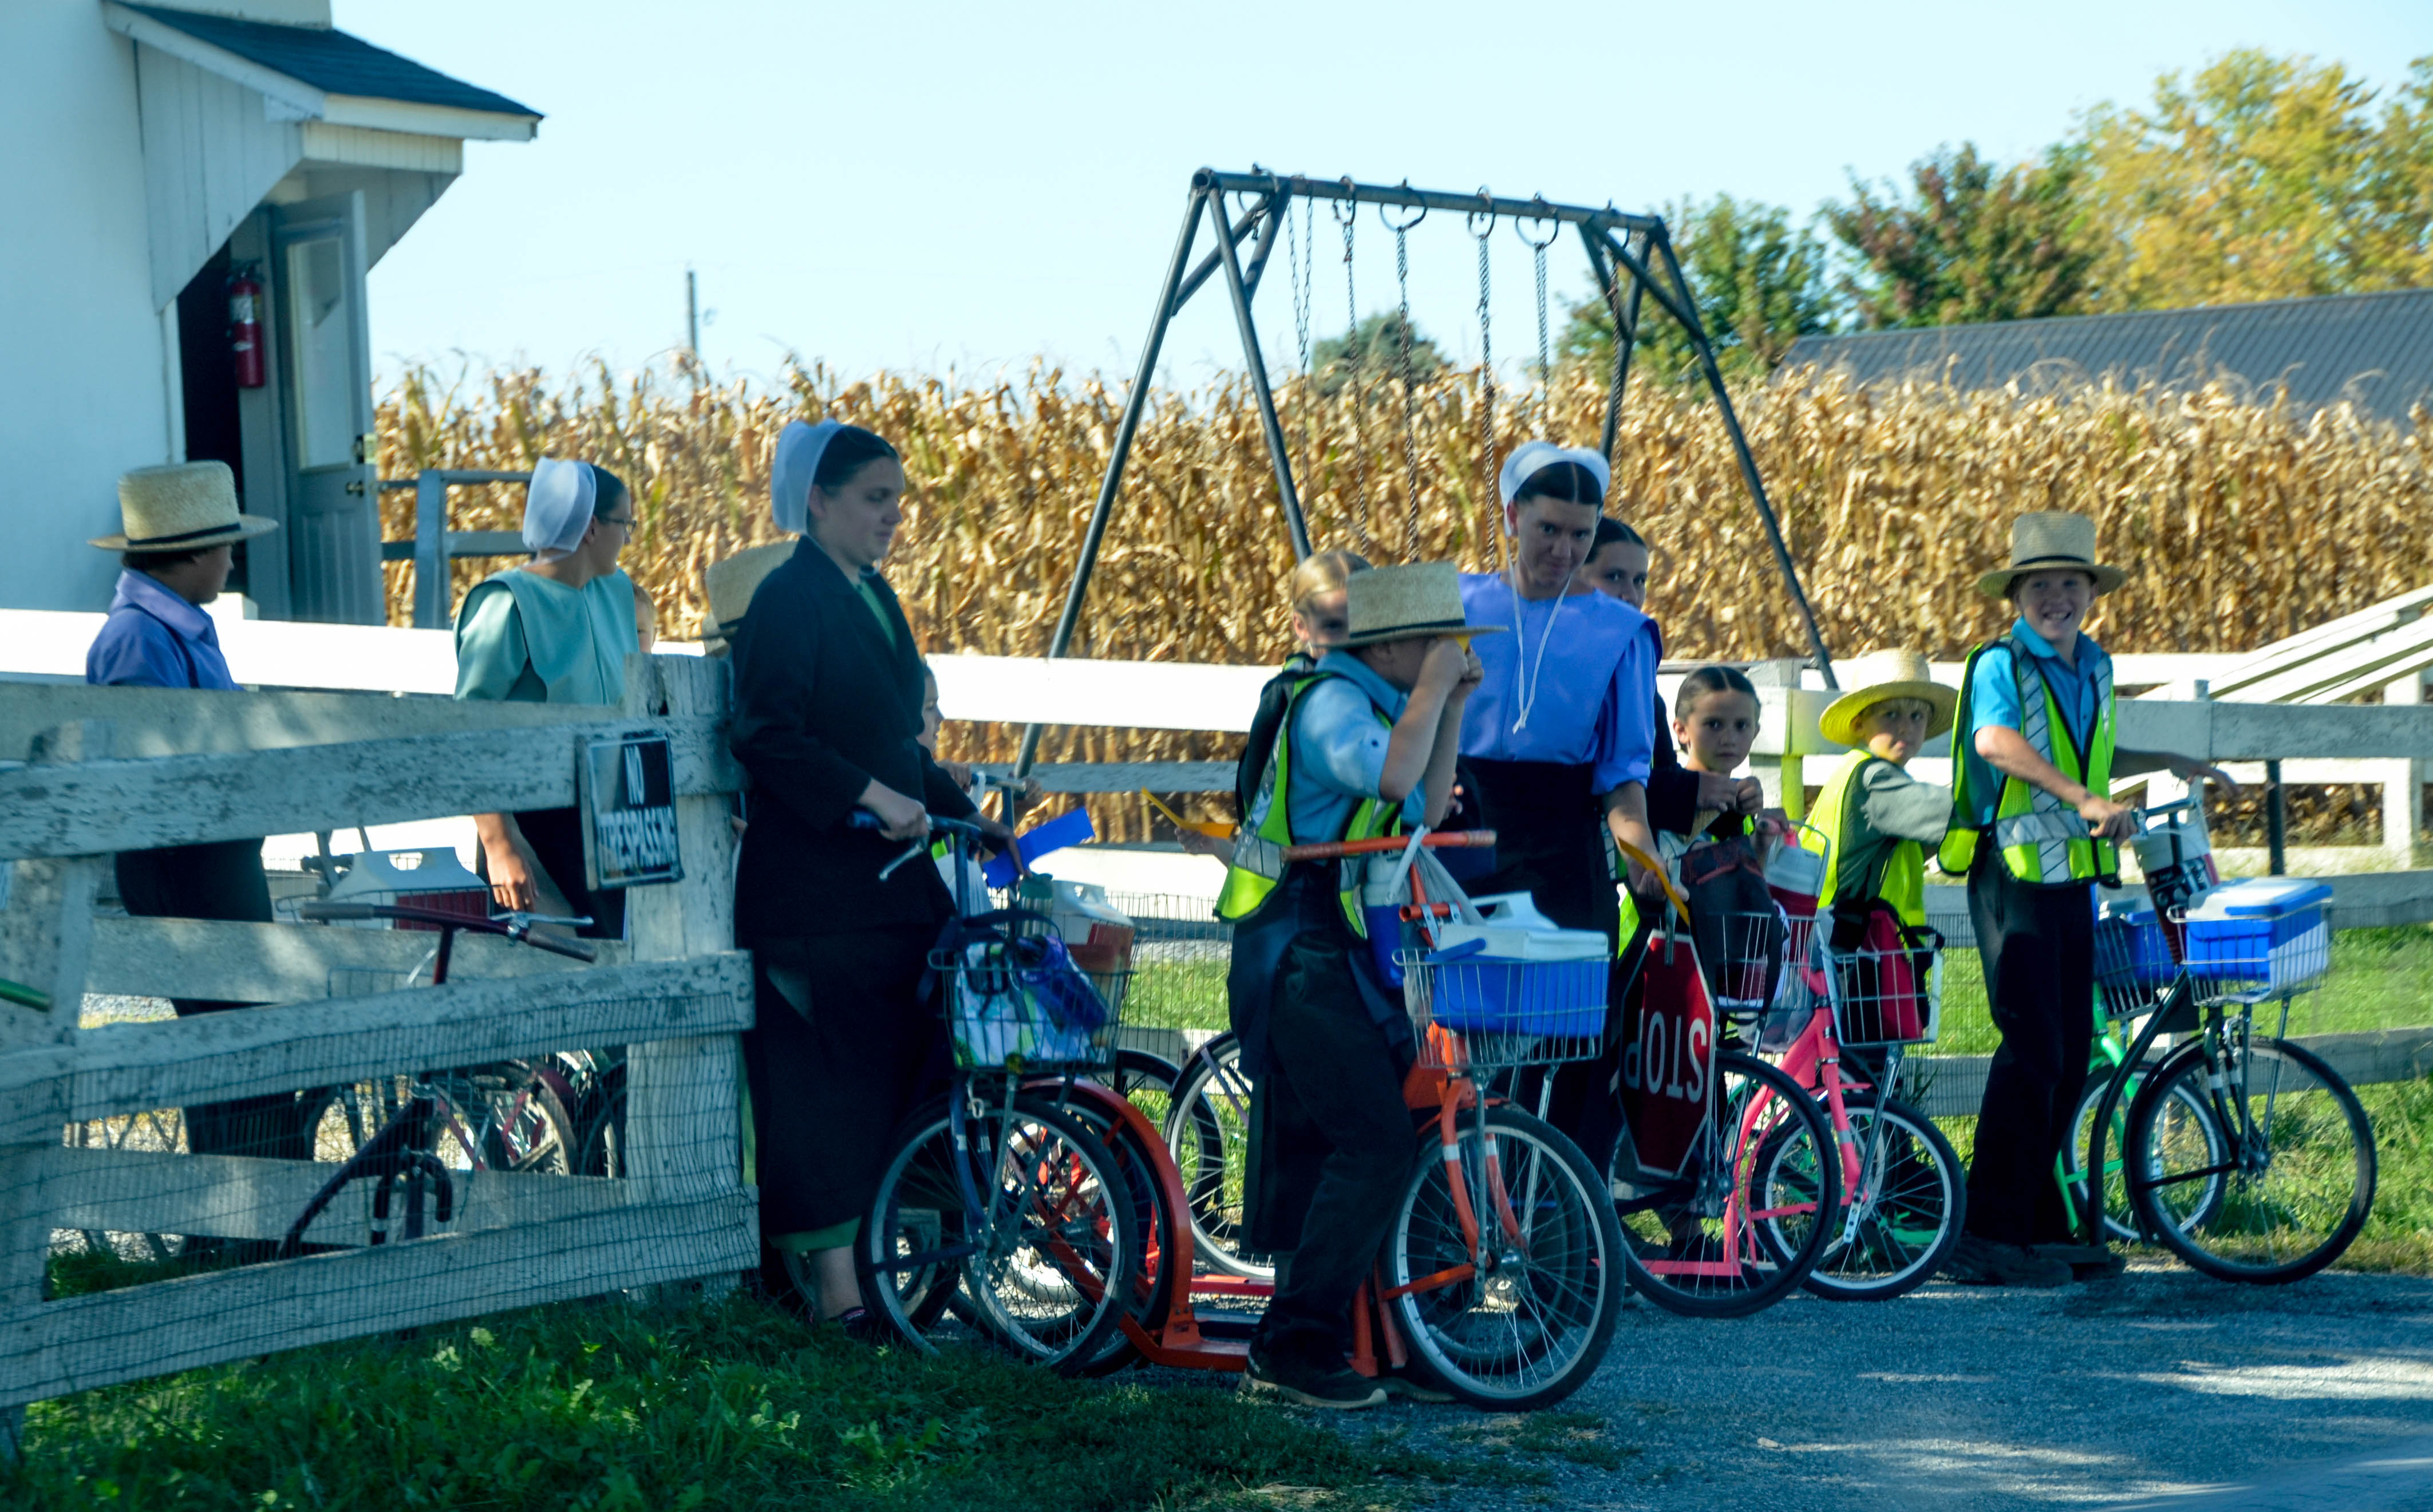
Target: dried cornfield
x=2239, y=522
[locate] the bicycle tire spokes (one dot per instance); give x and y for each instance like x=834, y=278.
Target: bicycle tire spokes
x=2274, y=1181
x=1505, y=1319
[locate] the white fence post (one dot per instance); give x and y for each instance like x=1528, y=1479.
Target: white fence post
x=2403, y=788
x=683, y=1128
x=45, y=936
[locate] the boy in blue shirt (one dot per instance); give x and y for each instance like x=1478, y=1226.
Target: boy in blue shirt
x=1368, y=747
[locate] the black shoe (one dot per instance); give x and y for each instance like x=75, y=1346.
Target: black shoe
x=1404, y=1387
x=862, y=1326
x=1333, y=1386
x=1977, y=1262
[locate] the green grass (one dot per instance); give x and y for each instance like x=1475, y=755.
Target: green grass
x=1178, y=994
x=2380, y=979
x=591, y=1408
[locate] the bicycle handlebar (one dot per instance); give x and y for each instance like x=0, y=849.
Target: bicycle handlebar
x=864, y=819
x=516, y=927
x=1336, y=850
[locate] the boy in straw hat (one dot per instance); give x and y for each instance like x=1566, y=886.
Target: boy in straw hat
x=1876, y=818
x=1366, y=746
x=2034, y=827
x=181, y=526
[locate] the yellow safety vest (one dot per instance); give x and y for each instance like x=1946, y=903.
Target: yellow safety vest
x=2042, y=839
x=1258, y=862
x=1902, y=883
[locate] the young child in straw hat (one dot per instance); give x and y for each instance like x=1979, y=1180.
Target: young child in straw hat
x=1876, y=819
x=1367, y=745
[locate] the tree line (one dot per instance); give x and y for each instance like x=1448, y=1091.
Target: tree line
x=2255, y=178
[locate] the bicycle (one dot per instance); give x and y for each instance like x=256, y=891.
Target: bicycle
x=1498, y=1279
x=409, y=1135
x=997, y=1205
x=2276, y=1179
x=1904, y=1191
x=1725, y=1193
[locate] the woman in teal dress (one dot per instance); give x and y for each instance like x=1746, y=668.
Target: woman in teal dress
x=556, y=630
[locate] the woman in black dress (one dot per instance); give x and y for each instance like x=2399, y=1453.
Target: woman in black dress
x=828, y=720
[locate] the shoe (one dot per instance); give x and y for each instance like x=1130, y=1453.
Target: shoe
x=1977, y=1262
x=862, y=1326
x=1332, y=1387
x=1405, y=1388
x=2086, y=1261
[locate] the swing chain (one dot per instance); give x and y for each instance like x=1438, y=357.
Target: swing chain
x=1482, y=233
x=1347, y=214
x=1410, y=399
x=1538, y=254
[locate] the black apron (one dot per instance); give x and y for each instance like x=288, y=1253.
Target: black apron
x=1548, y=824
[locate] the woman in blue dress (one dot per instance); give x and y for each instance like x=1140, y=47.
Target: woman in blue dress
x=1561, y=735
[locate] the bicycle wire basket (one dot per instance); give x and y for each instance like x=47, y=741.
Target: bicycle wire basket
x=2134, y=962
x=1016, y=1002
x=2244, y=961
x=1472, y=1012
x=1884, y=998
x=1761, y=971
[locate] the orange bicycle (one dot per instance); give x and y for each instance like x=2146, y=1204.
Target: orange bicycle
x=1501, y=1276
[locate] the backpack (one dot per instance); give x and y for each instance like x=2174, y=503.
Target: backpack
x=1740, y=930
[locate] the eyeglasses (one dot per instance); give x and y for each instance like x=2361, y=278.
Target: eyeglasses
x=626, y=523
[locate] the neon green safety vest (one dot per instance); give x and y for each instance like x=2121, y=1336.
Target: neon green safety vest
x=1258, y=862
x=1903, y=882
x=2042, y=839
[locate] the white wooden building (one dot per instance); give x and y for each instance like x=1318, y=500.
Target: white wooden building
x=148, y=155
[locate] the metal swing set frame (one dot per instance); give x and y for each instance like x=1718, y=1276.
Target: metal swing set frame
x=1629, y=255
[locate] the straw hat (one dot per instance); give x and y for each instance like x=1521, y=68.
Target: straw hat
x=182, y=507
x=731, y=583
x=1879, y=677
x=1405, y=604
x=2051, y=538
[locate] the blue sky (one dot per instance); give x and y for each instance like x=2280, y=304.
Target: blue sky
x=965, y=186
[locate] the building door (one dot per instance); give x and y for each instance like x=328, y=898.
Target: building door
x=318, y=268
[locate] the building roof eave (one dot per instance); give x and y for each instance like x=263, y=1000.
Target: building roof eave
x=352, y=82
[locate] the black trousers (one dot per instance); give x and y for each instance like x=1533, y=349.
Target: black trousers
x=830, y=1087
x=222, y=880
x=2038, y=944
x=1327, y=1120
x=1586, y=1100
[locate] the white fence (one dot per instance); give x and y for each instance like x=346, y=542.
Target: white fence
x=112, y=770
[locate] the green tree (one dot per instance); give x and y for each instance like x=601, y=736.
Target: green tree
x=1373, y=351
x=2261, y=177
x=1758, y=282
x=1966, y=241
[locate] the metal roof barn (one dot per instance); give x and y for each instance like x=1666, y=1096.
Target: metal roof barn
x=2374, y=350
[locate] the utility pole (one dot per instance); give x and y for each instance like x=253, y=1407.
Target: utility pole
x=693, y=316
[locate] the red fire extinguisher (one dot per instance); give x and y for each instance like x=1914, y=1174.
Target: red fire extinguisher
x=245, y=327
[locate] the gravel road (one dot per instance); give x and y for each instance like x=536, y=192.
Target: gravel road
x=2160, y=1389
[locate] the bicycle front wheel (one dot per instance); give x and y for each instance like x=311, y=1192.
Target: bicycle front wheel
x=1907, y=1213
x=1520, y=1320
x=1029, y=1230
x=2275, y=1183
x=1751, y=1211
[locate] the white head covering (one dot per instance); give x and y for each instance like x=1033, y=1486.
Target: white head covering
x=799, y=449
x=557, y=506
x=1530, y=458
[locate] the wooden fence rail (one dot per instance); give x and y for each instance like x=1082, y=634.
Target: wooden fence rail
x=107, y=770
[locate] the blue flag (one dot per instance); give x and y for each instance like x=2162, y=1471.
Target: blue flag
x=1065, y=829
